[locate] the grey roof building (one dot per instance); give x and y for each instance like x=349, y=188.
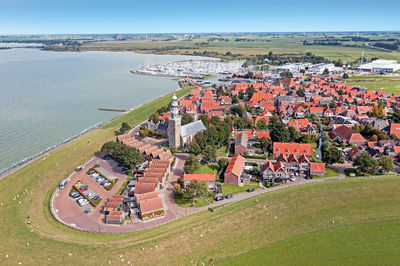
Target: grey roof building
x=192, y=128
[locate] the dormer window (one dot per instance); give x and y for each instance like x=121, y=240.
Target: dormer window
x=305, y=151
x=277, y=150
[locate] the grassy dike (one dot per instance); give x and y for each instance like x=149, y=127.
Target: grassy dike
x=26, y=192
x=206, y=237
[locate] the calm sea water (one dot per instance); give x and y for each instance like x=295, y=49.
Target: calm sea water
x=48, y=97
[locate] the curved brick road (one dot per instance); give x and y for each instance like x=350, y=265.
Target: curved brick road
x=173, y=212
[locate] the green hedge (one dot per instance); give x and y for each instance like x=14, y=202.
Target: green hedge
x=109, y=187
x=97, y=202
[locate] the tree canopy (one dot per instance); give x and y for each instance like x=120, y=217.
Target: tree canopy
x=365, y=163
x=195, y=190
x=332, y=155
x=210, y=152
x=278, y=132
x=124, y=128
x=386, y=163
x=186, y=119
x=191, y=164
x=125, y=155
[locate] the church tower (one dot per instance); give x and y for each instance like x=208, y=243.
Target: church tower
x=174, y=125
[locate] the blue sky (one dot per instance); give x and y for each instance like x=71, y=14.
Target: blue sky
x=156, y=16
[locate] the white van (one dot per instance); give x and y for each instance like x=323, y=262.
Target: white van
x=63, y=184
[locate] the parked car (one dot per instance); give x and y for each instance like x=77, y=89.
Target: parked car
x=83, y=188
x=91, y=194
x=95, y=197
x=95, y=175
x=74, y=195
x=292, y=178
x=229, y=196
x=82, y=202
x=91, y=172
x=124, y=169
x=63, y=184
x=250, y=190
x=219, y=198
x=79, y=168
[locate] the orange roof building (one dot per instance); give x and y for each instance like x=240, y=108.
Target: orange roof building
x=209, y=179
x=234, y=171
x=296, y=149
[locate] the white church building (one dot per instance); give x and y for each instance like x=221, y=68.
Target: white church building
x=178, y=135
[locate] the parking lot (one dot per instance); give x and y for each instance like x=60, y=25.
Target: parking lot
x=68, y=208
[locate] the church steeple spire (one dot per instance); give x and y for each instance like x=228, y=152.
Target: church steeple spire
x=174, y=108
x=174, y=125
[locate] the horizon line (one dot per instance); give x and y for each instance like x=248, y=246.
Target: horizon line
x=205, y=32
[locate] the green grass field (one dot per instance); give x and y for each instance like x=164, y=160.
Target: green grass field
x=329, y=172
x=198, y=203
x=221, y=152
x=350, y=244
x=208, y=168
x=374, y=77
x=205, y=237
x=258, y=45
x=247, y=222
x=389, y=86
x=231, y=189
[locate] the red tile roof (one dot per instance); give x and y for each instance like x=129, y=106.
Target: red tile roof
x=152, y=204
x=141, y=188
x=235, y=166
x=199, y=177
x=317, y=167
x=292, y=148
x=395, y=129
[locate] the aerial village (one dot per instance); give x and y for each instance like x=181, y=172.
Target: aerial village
x=220, y=141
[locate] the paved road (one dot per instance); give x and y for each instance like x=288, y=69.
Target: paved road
x=174, y=212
